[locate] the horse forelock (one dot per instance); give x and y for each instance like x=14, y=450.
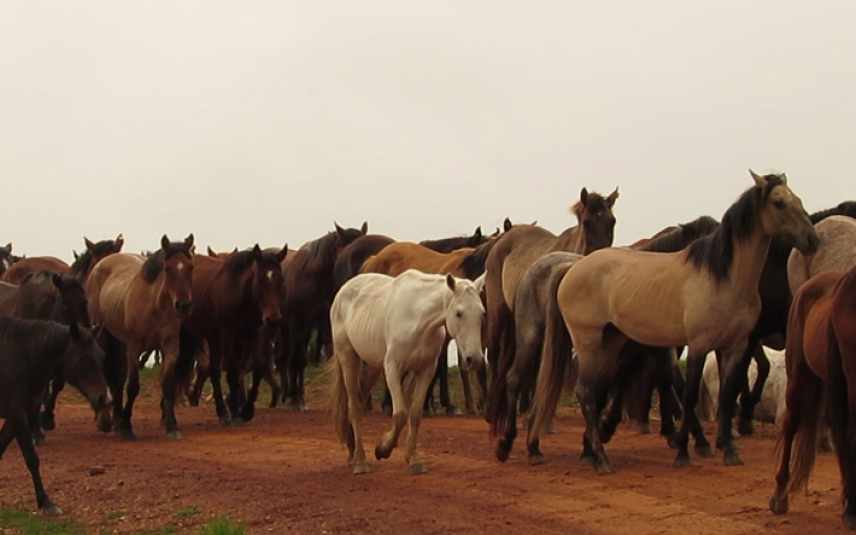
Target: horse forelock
x=594, y=202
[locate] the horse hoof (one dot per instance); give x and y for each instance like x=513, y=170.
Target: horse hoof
x=604, y=469
x=849, y=521
x=382, y=453
x=125, y=434
x=454, y=411
x=777, y=506
x=644, y=428
x=248, y=414
x=225, y=420
x=39, y=440
x=502, y=452
x=536, y=459
x=731, y=459
x=704, y=451
x=587, y=460
x=51, y=511
x=416, y=469
x=745, y=427
x=47, y=421
x=236, y=422
x=361, y=468
x=682, y=461
x=175, y=435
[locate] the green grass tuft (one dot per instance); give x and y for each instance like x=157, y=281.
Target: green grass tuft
x=186, y=512
x=24, y=523
x=223, y=527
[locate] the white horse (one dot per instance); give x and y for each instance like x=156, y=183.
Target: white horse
x=397, y=326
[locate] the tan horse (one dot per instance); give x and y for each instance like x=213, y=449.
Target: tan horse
x=705, y=296
x=519, y=248
x=140, y=302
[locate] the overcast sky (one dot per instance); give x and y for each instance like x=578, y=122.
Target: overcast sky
x=264, y=122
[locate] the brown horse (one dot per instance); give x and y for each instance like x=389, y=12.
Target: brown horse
x=237, y=305
x=309, y=292
x=35, y=264
x=821, y=370
x=520, y=247
x=94, y=253
x=48, y=296
x=139, y=303
x=705, y=297
x=222, y=255
x=352, y=257
x=466, y=263
x=447, y=245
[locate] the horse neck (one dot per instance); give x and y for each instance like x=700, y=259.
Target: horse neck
x=750, y=256
x=571, y=240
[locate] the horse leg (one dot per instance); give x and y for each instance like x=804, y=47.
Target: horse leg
x=420, y=382
x=591, y=402
x=750, y=399
x=215, y=370
x=233, y=379
x=169, y=351
x=269, y=374
x=248, y=411
x=443, y=372
x=733, y=370
x=394, y=380
x=695, y=366
x=125, y=429
x=386, y=404
x=17, y=422
x=203, y=372
x=669, y=404
x=609, y=424
x=47, y=420
x=792, y=422
x=36, y=434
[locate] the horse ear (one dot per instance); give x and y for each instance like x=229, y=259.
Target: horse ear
x=88, y=243
x=478, y=233
x=211, y=252
x=76, y=256
x=8, y=248
x=188, y=241
x=74, y=331
x=165, y=242
x=339, y=230
x=257, y=253
x=507, y=224
x=760, y=181
x=784, y=178
x=280, y=256
x=450, y=281
x=479, y=282
x=610, y=201
x=365, y=228
x=235, y=250
x=120, y=241
x=56, y=278
x=583, y=196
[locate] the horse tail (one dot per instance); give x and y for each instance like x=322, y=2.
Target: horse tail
x=838, y=415
x=497, y=401
x=811, y=417
x=339, y=400
x=556, y=362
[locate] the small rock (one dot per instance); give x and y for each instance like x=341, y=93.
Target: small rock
x=97, y=470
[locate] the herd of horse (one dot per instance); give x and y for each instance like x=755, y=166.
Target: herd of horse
x=554, y=313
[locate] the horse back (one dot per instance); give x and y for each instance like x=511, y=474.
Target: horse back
x=837, y=251
x=107, y=289
x=26, y=266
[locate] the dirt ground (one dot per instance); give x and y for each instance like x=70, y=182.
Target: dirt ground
x=285, y=473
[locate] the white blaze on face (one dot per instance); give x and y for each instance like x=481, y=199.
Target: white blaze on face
x=180, y=266
x=270, y=275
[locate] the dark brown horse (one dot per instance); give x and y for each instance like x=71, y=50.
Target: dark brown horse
x=93, y=254
x=309, y=292
x=237, y=301
x=47, y=296
x=447, y=245
x=517, y=249
x=31, y=353
x=139, y=304
x=352, y=257
x=821, y=370
x=6, y=259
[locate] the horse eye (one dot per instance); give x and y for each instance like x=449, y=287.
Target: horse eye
x=458, y=314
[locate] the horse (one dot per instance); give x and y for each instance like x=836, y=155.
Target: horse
x=705, y=296
x=837, y=236
x=352, y=257
x=221, y=255
x=16, y=272
x=139, y=303
x=94, y=253
x=536, y=294
x=820, y=357
x=31, y=352
x=46, y=296
x=467, y=263
x=447, y=245
x=396, y=326
x=6, y=258
x=237, y=305
x=309, y=292
x=520, y=247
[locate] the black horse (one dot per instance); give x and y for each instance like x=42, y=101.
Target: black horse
x=31, y=353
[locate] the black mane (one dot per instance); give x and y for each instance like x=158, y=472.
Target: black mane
x=847, y=208
x=239, y=262
x=473, y=264
x=82, y=264
x=682, y=236
x=715, y=252
x=154, y=263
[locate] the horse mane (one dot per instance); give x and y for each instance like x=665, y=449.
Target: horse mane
x=447, y=245
x=239, y=262
x=154, y=263
x=82, y=264
x=32, y=336
x=715, y=252
x=847, y=208
x=324, y=247
x=473, y=264
x=679, y=238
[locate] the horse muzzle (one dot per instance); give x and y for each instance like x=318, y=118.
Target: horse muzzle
x=808, y=244
x=183, y=308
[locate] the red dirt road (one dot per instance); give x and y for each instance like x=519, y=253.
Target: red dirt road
x=285, y=473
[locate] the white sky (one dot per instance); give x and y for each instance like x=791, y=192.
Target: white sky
x=250, y=122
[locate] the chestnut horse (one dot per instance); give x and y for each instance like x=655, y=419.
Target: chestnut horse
x=520, y=247
x=821, y=370
x=26, y=266
x=236, y=306
x=139, y=303
x=705, y=297
x=309, y=291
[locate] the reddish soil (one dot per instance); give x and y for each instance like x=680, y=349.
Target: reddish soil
x=285, y=473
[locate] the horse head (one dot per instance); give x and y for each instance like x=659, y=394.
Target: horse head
x=594, y=213
x=178, y=273
x=782, y=214
x=268, y=284
x=464, y=316
x=83, y=367
x=73, y=306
